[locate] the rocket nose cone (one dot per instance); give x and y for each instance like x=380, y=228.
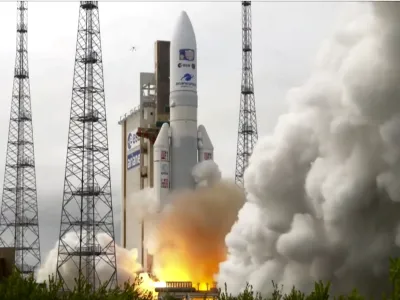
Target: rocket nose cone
x=184, y=15
x=184, y=28
x=184, y=18
x=162, y=138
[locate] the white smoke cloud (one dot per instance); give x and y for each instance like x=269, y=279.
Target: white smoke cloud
x=206, y=173
x=145, y=207
x=126, y=262
x=323, y=191
x=144, y=204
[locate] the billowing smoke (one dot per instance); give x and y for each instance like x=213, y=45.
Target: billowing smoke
x=190, y=234
x=323, y=191
x=206, y=173
x=126, y=262
x=145, y=203
x=186, y=237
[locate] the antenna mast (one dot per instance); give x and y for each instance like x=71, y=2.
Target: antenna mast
x=87, y=211
x=247, y=131
x=19, y=224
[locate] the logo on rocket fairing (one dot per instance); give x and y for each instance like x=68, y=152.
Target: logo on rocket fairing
x=180, y=65
x=164, y=155
x=186, y=81
x=187, y=77
x=186, y=54
x=207, y=156
x=164, y=169
x=164, y=183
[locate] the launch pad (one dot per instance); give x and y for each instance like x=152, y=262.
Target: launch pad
x=186, y=290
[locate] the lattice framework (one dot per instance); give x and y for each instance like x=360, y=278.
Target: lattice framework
x=247, y=130
x=87, y=209
x=19, y=219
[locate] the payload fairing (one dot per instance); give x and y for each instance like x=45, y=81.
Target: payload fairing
x=181, y=145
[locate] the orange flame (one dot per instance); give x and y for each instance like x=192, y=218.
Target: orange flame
x=191, y=234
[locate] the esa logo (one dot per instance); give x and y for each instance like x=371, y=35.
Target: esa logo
x=183, y=65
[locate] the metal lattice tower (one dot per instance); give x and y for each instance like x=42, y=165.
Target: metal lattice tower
x=247, y=132
x=19, y=224
x=87, y=202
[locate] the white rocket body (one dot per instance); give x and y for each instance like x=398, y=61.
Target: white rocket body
x=183, y=103
x=186, y=144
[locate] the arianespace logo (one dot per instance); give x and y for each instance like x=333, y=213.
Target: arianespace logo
x=187, y=77
x=186, y=81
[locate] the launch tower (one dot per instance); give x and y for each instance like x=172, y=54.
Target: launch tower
x=19, y=225
x=140, y=128
x=87, y=202
x=247, y=131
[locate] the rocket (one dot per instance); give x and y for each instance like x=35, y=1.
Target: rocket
x=181, y=145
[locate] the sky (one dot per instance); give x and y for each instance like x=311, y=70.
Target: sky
x=286, y=38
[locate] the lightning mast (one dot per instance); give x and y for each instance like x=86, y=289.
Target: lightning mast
x=19, y=224
x=247, y=132
x=87, y=209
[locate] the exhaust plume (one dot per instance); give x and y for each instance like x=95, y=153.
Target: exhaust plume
x=145, y=204
x=206, y=173
x=323, y=199
x=190, y=233
x=186, y=237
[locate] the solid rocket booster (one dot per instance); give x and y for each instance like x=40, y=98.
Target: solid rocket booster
x=180, y=146
x=204, y=145
x=161, y=162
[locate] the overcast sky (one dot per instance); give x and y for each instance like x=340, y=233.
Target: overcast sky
x=286, y=37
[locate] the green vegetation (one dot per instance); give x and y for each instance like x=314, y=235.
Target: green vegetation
x=17, y=288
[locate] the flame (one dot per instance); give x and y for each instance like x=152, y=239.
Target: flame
x=190, y=235
x=147, y=285
x=160, y=284
x=181, y=266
